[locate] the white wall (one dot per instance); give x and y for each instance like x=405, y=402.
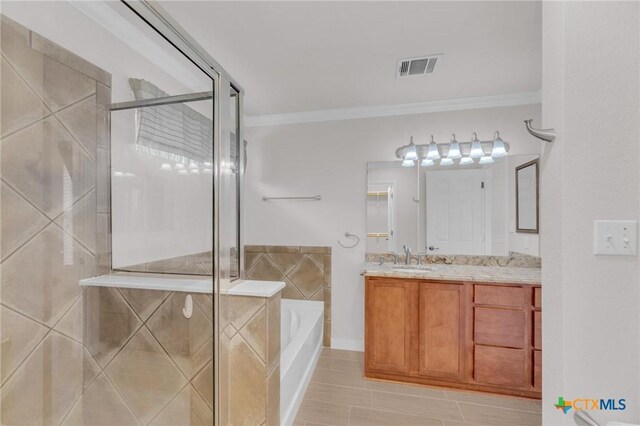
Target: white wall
x=591, y=303
x=329, y=158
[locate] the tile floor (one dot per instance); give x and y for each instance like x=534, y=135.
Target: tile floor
x=339, y=395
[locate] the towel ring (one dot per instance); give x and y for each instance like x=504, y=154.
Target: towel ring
x=350, y=235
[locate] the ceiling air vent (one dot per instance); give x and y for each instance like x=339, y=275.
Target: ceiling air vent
x=420, y=65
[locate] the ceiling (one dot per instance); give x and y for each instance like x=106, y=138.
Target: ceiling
x=292, y=57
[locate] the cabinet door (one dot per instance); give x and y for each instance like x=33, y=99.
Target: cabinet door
x=390, y=308
x=441, y=330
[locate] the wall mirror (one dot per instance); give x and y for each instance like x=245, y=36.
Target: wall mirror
x=447, y=210
x=527, y=197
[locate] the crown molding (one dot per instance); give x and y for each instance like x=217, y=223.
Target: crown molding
x=530, y=98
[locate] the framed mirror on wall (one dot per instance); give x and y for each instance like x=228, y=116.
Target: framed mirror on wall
x=527, y=197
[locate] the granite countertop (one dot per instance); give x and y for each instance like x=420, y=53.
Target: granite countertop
x=488, y=274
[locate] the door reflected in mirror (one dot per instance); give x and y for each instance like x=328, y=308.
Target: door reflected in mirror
x=527, y=197
x=452, y=210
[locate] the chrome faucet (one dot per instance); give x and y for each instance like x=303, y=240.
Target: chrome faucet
x=407, y=255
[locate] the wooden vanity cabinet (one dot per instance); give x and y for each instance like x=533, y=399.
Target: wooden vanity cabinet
x=484, y=337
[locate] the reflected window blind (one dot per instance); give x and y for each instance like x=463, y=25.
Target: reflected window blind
x=174, y=131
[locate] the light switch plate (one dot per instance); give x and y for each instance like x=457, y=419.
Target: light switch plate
x=615, y=237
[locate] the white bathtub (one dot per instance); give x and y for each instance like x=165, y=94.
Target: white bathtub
x=301, y=343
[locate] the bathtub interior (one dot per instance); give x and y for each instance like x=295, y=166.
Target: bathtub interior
x=301, y=340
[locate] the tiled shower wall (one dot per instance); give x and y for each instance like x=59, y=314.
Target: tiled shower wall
x=102, y=355
x=53, y=123
x=306, y=272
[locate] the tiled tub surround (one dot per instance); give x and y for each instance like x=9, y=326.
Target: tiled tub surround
x=305, y=270
x=514, y=260
x=54, y=223
x=250, y=360
x=488, y=274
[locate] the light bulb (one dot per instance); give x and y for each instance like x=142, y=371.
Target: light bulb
x=407, y=163
x=486, y=160
x=476, y=147
x=433, y=153
x=427, y=163
x=499, y=149
x=464, y=161
x=446, y=161
x=179, y=166
x=165, y=166
x=193, y=165
x=411, y=153
x=454, y=148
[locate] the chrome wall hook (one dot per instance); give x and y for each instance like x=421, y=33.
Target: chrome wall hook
x=547, y=135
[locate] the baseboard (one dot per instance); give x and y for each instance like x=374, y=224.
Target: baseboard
x=347, y=344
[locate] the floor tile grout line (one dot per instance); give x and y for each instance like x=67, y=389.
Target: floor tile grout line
x=498, y=407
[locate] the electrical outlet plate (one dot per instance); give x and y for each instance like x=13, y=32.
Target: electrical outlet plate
x=615, y=237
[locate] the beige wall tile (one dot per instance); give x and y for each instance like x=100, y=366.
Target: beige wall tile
x=187, y=409
x=242, y=308
x=247, y=388
x=290, y=291
x=144, y=302
x=307, y=276
x=108, y=323
x=20, y=106
x=20, y=220
x=273, y=331
x=80, y=221
x=265, y=269
x=179, y=336
x=145, y=376
x=20, y=335
x=41, y=278
x=39, y=160
x=286, y=261
x=255, y=333
x=273, y=398
x=44, y=388
x=283, y=249
x=72, y=323
x=203, y=382
x=80, y=120
x=100, y=405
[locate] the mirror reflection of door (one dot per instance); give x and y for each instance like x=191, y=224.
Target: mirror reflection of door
x=454, y=212
x=527, y=197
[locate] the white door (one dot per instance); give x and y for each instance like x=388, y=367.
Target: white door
x=454, y=212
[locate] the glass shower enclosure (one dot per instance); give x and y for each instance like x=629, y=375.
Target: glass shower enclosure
x=121, y=171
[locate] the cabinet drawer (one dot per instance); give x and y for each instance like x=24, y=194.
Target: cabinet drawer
x=499, y=366
x=537, y=297
x=537, y=330
x=499, y=295
x=499, y=327
x=537, y=370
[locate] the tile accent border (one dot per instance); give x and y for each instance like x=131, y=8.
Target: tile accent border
x=306, y=271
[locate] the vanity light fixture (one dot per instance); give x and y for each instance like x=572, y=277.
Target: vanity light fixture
x=427, y=163
x=476, y=147
x=411, y=153
x=446, y=161
x=454, y=148
x=465, y=161
x=498, y=146
x=432, y=153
